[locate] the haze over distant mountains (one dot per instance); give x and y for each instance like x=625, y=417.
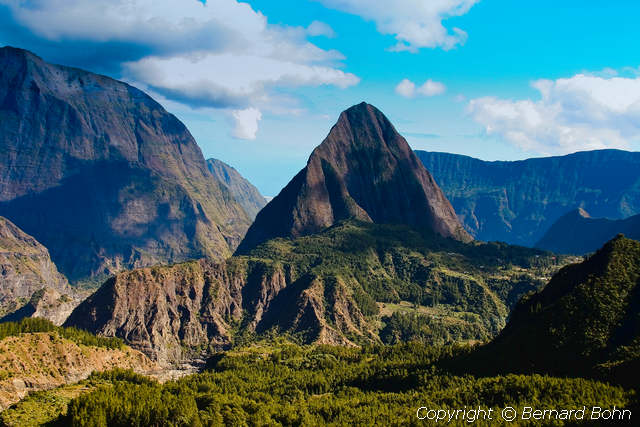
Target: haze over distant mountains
x=241, y=189
x=578, y=233
x=365, y=170
x=102, y=175
x=517, y=202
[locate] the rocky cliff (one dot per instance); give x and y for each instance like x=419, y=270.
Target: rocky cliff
x=578, y=233
x=365, y=170
x=102, y=175
x=334, y=287
x=240, y=188
x=27, y=274
x=517, y=202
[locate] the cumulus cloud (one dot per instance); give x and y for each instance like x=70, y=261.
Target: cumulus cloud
x=318, y=28
x=414, y=23
x=408, y=89
x=218, y=54
x=246, y=123
x=582, y=112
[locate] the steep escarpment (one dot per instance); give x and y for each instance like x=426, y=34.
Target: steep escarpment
x=240, y=188
x=102, y=175
x=517, y=202
x=27, y=273
x=364, y=170
x=578, y=233
x=341, y=286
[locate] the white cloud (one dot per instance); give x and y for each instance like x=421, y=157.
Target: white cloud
x=317, y=28
x=578, y=113
x=220, y=54
x=246, y=123
x=414, y=23
x=408, y=89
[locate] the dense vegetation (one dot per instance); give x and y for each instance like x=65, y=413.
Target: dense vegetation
x=462, y=291
x=585, y=321
x=286, y=384
x=78, y=336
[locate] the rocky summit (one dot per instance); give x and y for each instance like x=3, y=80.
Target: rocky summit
x=103, y=176
x=364, y=169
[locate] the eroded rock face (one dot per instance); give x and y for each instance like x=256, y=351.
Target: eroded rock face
x=365, y=170
x=26, y=269
x=40, y=361
x=102, y=175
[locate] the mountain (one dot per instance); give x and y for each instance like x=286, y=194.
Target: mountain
x=365, y=170
x=586, y=321
x=27, y=273
x=102, y=175
x=242, y=190
x=517, y=202
x=578, y=233
x=354, y=283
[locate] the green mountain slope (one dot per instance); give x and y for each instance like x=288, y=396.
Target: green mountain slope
x=585, y=321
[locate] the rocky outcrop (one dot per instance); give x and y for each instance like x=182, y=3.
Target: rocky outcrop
x=578, y=233
x=517, y=202
x=240, y=188
x=41, y=361
x=27, y=275
x=364, y=170
x=102, y=175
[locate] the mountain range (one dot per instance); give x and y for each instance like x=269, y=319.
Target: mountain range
x=517, y=202
x=358, y=239
x=103, y=176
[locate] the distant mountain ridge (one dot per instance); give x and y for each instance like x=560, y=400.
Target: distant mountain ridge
x=365, y=170
x=578, y=233
x=240, y=188
x=517, y=202
x=102, y=175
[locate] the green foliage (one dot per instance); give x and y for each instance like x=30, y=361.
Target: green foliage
x=391, y=264
x=287, y=384
x=78, y=336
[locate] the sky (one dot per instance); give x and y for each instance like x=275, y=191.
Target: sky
x=260, y=83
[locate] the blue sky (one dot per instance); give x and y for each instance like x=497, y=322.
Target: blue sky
x=260, y=84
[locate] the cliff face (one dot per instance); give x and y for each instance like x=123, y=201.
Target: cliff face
x=26, y=269
x=102, y=175
x=578, y=233
x=517, y=202
x=365, y=170
x=334, y=287
x=242, y=190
